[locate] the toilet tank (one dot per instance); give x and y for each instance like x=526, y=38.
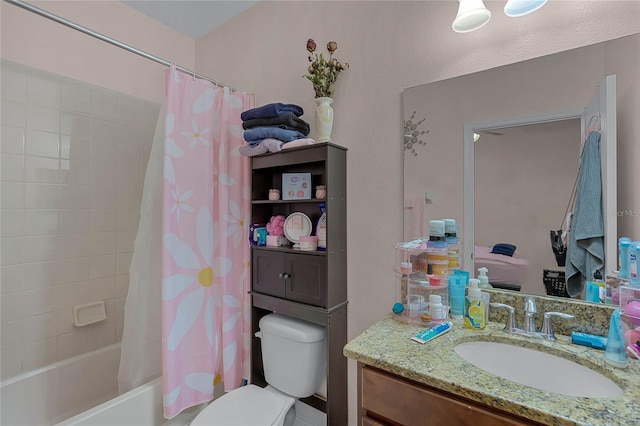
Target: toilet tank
x=293, y=354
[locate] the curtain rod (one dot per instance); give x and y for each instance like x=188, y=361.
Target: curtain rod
x=110, y=40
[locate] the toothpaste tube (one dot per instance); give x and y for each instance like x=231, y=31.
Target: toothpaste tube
x=588, y=340
x=431, y=333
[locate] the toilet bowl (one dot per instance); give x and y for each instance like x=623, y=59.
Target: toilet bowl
x=248, y=406
x=294, y=361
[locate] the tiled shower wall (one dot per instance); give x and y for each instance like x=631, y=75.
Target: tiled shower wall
x=73, y=162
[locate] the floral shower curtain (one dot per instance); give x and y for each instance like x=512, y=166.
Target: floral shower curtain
x=205, y=251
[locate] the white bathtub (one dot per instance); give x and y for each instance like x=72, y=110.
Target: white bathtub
x=61, y=390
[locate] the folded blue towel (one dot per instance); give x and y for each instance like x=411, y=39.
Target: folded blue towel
x=258, y=133
x=504, y=248
x=271, y=110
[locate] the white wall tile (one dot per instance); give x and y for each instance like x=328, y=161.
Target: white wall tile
x=13, y=224
x=128, y=175
x=39, y=354
x=41, y=118
x=42, y=143
x=39, y=275
x=39, y=327
x=74, y=343
x=74, y=172
x=129, y=134
x=102, y=288
x=102, y=243
x=75, y=99
x=110, y=309
x=103, y=197
x=73, y=221
x=104, y=104
x=102, y=220
x=103, y=152
x=102, y=334
x=129, y=110
x=73, y=294
x=42, y=196
x=78, y=126
x=11, y=363
x=72, y=245
x=12, y=140
x=125, y=241
x=129, y=154
x=12, y=250
x=102, y=266
x=127, y=219
x=43, y=91
x=71, y=270
x=65, y=321
x=12, y=278
x=40, y=249
x=129, y=197
x=122, y=285
x=41, y=222
x=12, y=306
x=13, y=114
x=150, y=112
x=40, y=301
x=42, y=169
x=12, y=167
x=123, y=261
x=74, y=148
x=74, y=196
x=12, y=196
x=103, y=174
x=11, y=334
x=14, y=85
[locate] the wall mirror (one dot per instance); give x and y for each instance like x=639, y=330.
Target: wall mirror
x=514, y=183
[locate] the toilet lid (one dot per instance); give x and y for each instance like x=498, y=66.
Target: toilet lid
x=246, y=406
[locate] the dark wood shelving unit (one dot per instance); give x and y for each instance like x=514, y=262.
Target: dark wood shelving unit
x=309, y=285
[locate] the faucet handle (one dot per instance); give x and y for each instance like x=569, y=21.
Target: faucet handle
x=547, y=324
x=530, y=305
x=512, y=323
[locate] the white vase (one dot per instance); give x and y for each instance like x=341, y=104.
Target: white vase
x=324, y=119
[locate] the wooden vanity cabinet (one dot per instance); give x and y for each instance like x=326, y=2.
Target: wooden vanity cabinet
x=388, y=399
x=310, y=285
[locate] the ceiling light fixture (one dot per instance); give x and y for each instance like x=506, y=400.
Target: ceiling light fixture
x=515, y=8
x=471, y=15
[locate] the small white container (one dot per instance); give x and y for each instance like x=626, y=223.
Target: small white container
x=309, y=243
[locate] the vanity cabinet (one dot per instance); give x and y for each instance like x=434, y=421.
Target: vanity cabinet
x=310, y=285
x=388, y=399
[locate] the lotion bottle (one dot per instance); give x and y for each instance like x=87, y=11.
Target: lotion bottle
x=475, y=311
x=483, y=278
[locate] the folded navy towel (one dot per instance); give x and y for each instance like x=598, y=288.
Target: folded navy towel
x=271, y=110
x=504, y=248
x=287, y=121
x=284, y=135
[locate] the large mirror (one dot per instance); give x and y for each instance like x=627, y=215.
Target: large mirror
x=499, y=151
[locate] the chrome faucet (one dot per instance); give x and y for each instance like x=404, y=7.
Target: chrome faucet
x=530, y=310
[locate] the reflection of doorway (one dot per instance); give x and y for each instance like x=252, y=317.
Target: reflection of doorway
x=523, y=180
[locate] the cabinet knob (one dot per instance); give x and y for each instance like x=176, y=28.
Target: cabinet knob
x=284, y=275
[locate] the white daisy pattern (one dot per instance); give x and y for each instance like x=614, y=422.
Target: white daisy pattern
x=197, y=135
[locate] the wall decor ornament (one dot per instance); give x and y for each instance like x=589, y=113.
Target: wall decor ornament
x=412, y=135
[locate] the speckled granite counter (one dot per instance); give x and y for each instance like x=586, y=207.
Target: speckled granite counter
x=387, y=345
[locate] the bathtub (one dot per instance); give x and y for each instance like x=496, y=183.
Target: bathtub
x=58, y=391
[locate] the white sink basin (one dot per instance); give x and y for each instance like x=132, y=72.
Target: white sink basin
x=538, y=369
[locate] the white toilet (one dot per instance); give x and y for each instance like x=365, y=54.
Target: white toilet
x=294, y=358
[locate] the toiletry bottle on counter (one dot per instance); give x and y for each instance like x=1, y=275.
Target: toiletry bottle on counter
x=437, y=255
x=623, y=256
x=483, y=278
x=321, y=229
x=453, y=244
x=475, y=310
x=634, y=264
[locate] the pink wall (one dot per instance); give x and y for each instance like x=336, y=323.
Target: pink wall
x=32, y=40
x=390, y=46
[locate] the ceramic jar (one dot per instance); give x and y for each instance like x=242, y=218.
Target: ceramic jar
x=274, y=194
x=321, y=192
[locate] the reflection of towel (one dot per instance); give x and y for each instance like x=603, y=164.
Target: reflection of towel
x=271, y=110
x=414, y=217
x=284, y=135
x=285, y=121
x=298, y=142
x=585, y=253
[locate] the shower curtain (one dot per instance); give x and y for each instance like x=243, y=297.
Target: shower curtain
x=202, y=243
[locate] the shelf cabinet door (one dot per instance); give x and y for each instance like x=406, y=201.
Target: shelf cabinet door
x=308, y=279
x=268, y=268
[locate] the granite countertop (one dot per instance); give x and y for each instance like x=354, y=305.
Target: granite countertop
x=387, y=345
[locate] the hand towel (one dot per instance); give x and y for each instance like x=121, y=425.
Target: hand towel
x=285, y=121
x=298, y=142
x=253, y=150
x=273, y=145
x=271, y=110
x=585, y=253
x=284, y=135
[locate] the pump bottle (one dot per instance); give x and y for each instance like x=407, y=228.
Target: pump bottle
x=474, y=307
x=483, y=278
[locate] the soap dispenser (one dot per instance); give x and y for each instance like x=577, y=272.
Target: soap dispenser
x=483, y=278
x=475, y=311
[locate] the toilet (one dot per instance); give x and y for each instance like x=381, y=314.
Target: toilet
x=294, y=361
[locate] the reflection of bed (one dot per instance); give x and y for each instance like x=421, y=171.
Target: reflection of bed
x=504, y=271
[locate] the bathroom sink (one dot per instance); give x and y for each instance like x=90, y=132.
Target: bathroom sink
x=538, y=369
